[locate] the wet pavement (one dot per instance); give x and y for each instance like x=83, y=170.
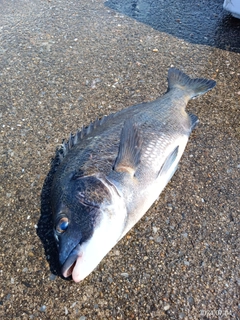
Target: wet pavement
x=62, y=65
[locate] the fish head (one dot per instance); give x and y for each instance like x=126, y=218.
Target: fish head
x=89, y=218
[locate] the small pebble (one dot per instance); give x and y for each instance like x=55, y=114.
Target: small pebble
x=191, y=300
x=110, y=279
x=155, y=229
x=159, y=239
x=65, y=310
x=43, y=308
x=73, y=305
x=52, y=276
x=117, y=253
x=182, y=315
x=125, y=274
x=166, y=307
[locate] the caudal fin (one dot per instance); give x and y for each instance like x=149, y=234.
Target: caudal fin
x=194, y=87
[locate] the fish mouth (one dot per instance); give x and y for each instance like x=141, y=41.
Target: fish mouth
x=72, y=262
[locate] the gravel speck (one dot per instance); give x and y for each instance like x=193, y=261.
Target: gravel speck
x=166, y=307
x=159, y=239
x=155, y=229
x=52, y=277
x=43, y=308
x=125, y=274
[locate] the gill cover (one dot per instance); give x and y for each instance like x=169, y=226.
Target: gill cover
x=77, y=212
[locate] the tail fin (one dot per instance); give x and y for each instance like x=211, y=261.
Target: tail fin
x=194, y=87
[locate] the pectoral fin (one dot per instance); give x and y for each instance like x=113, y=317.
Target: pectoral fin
x=129, y=151
x=168, y=164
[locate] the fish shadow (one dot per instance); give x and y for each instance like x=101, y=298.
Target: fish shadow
x=45, y=223
x=201, y=22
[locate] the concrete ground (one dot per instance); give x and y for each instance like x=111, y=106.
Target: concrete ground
x=64, y=63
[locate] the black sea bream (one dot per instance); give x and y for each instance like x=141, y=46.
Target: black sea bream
x=112, y=171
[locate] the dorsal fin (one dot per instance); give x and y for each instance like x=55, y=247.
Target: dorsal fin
x=80, y=134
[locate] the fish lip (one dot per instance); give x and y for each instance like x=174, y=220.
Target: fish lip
x=69, y=264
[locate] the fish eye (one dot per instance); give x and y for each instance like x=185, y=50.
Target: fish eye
x=62, y=225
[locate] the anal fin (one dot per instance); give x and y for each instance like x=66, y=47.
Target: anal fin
x=194, y=121
x=129, y=151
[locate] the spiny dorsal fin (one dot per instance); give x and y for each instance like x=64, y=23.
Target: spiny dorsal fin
x=129, y=149
x=80, y=134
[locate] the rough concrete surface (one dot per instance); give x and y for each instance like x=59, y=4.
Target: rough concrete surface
x=64, y=63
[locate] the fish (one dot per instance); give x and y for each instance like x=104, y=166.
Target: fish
x=112, y=171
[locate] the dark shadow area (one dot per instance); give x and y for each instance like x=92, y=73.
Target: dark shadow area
x=227, y=35
x=197, y=21
x=45, y=223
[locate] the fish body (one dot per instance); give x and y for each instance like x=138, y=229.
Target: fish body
x=112, y=171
